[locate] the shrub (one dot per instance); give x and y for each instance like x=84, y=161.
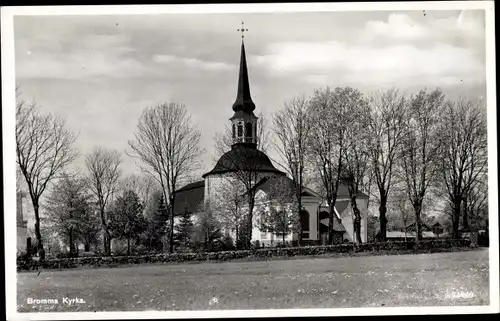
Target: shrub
x=140, y=250
x=227, y=243
x=87, y=254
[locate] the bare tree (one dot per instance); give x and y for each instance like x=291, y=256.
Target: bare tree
x=246, y=167
x=167, y=144
x=143, y=185
x=463, y=153
x=292, y=128
x=70, y=211
x=44, y=148
x=386, y=133
x=103, y=175
x=356, y=156
x=224, y=139
x=279, y=215
x=329, y=111
x=228, y=206
x=476, y=205
x=403, y=210
x=419, y=150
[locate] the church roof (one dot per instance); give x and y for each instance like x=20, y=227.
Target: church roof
x=266, y=185
x=343, y=193
x=243, y=100
x=340, y=206
x=243, y=158
x=189, y=198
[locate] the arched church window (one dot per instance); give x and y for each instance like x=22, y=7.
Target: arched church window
x=249, y=130
x=240, y=130
x=234, y=130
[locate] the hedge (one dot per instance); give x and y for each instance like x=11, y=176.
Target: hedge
x=262, y=253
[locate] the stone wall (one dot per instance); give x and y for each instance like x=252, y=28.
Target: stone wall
x=263, y=253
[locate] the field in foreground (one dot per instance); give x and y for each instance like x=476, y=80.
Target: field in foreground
x=439, y=279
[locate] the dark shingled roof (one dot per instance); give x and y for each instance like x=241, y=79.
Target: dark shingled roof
x=189, y=198
x=340, y=206
x=243, y=158
x=343, y=192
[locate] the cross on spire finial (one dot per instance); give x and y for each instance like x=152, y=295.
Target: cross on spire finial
x=242, y=30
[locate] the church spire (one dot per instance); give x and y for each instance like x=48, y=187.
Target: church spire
x=244, y=122
x=243, y=99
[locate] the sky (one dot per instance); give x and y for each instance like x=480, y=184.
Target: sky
x=100, y=72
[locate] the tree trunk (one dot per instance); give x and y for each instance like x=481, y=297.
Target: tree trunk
x=456, y=217
x=237, y=238
x=128, y=246
x=357, y=215
x=332, y=216
x=106, y=242
x=171, y=236
x=417, y=206
x=71, y=242
x=357, y=224
x=465, y=216
x=87, y=246
x=39, y=242
x=299, y=204
x=383, y=216
x=248, y=241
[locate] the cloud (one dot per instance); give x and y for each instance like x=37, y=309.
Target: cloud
x=78, y=65
x=398, y=51
x=371, y=65
x=398, y=26
x=466, y=29
x=65, y=57
x=193, y=63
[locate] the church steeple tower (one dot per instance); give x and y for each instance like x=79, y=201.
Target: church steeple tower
x=243, y=99
x=244, y=122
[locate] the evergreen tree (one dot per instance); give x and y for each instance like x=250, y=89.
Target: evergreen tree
x=127, y=220
x=158, y=227
x=184, y=231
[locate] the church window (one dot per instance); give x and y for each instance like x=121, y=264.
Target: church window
x=248, y=133
x=234, y=130
x=240, y=130
x=249, y=130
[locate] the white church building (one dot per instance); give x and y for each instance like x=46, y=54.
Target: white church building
x=245, y=158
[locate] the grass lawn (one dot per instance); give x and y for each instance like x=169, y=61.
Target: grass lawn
x=439, y=279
